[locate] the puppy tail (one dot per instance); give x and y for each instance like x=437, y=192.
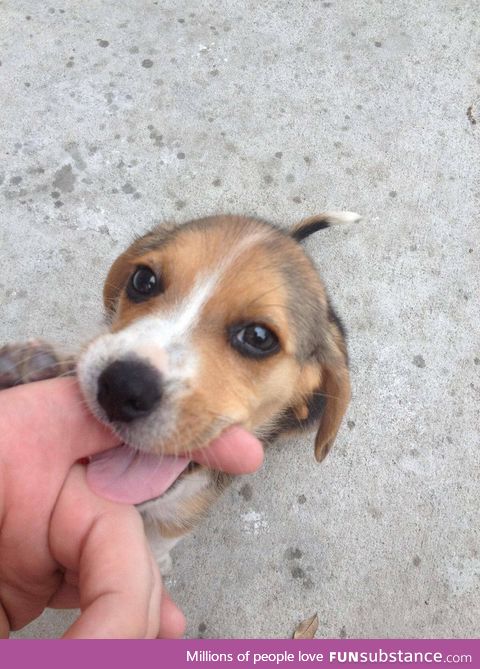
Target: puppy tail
x=321, y=221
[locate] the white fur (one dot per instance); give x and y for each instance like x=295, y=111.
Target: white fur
x=341, y=217
x=163, y=340
x=165, y=509
x=161, y=548
x=167, y=341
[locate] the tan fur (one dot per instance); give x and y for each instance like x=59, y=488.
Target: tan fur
x=241, y=390
x=250, y=258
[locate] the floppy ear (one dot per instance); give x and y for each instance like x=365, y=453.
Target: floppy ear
x=324, y=391
x=322, y=221
x=335, y=389
x=323, y=402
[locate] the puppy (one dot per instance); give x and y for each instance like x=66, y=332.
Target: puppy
x=219, y=322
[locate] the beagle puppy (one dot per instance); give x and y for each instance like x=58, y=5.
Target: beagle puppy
x=219, y=322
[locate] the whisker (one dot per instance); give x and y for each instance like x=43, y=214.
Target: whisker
x=332, y=397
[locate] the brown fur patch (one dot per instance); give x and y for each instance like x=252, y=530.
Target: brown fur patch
x=263, y=276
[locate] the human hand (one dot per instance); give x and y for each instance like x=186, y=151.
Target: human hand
x=63, y=546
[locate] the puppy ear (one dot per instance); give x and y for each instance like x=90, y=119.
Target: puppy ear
x=335, y=390
x=324, y=389
x=324, y=404
x=322, y=221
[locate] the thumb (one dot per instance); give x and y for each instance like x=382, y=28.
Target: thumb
x=57, y=412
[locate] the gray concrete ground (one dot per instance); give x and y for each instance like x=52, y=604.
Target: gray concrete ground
x=115, y=115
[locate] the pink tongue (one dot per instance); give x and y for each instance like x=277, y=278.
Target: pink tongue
x=123, y=474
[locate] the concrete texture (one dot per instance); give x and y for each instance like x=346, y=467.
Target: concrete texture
x=115, y=115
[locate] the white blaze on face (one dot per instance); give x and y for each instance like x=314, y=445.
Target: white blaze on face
x=165, y=340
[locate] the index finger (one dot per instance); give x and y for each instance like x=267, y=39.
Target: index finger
x=105, y=544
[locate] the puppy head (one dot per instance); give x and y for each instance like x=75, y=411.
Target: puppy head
x=221, y=321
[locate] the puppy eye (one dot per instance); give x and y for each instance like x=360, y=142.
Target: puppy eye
x=143, y=284
x=254, y=340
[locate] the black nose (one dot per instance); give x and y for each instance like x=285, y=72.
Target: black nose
x=128, y=389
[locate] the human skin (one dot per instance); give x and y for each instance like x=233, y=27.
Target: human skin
x=63, y=546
